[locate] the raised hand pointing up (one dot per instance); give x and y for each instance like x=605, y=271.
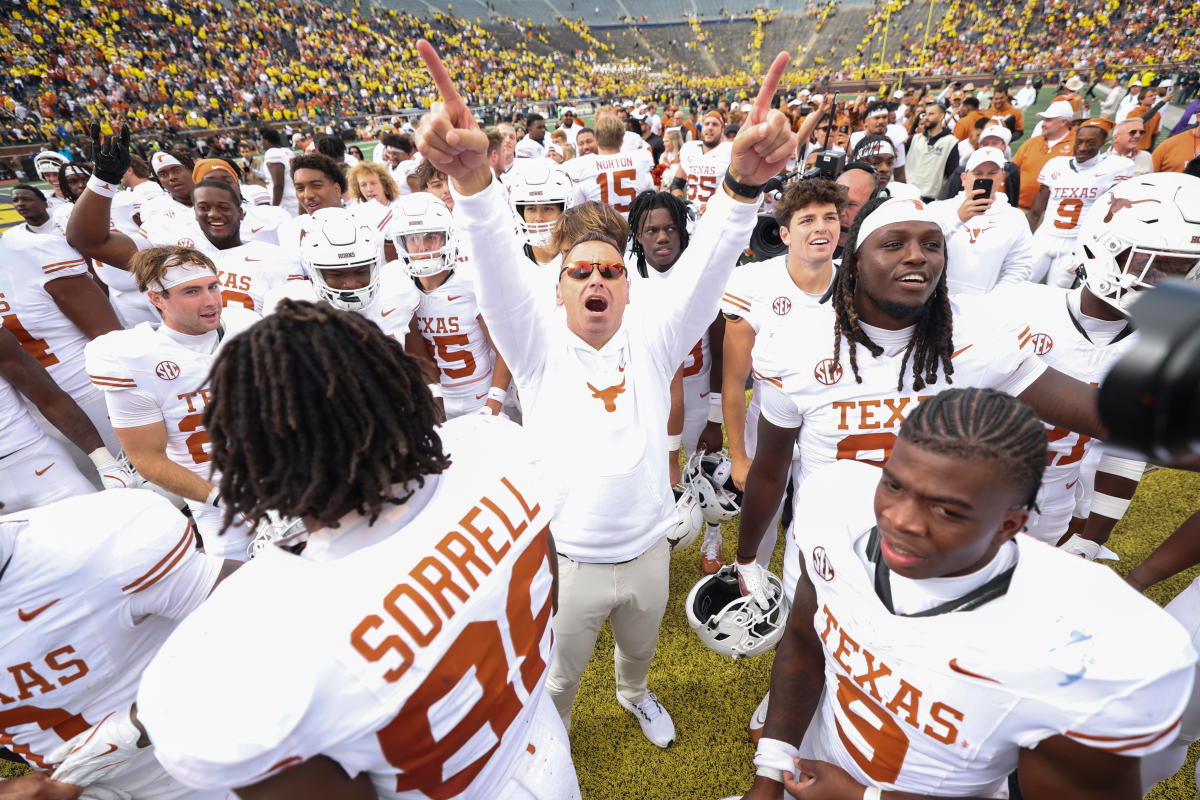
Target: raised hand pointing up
x=448, y=136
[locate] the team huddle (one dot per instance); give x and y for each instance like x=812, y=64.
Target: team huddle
x=424, y=402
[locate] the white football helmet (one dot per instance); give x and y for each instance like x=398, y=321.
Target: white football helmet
x=732, y=624
x=277, y=531
x=422, y=213
x=539, y=183
x=709, y=475
x=689, y=518
x=1142, y=230
x=48, y=162
x=339, y=241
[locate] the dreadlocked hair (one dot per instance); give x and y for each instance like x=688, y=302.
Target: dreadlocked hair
x=983, y=424
x=641, y=207
x=316, y=411
x=932, y=342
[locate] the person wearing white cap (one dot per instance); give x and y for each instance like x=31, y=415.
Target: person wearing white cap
x=877, y=122
x=1068, y=187
x=1056, y=139
x=987, y=240
x=1130, y=101
x=996, y=136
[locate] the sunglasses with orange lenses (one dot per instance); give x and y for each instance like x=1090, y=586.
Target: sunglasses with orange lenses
x=582, y=270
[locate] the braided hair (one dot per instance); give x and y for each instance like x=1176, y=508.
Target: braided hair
x=641, y=207
x=983, y=424
x=932, y=342
x=315, y=412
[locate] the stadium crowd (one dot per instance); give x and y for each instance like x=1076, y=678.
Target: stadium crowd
x=458, y=396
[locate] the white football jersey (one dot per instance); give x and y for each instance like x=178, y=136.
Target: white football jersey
x=93, y=587
x=840, y=418
x=17, y=428
x=419, y=663
x=611, y=178
x=166, y=207
x=703, y=171
x=147, y=361
x=32, y=260
x=698, y=364
x=942, y=705
x=448, y=320
x=1073, y=190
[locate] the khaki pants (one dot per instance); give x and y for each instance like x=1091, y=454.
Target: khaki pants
x=633, y=596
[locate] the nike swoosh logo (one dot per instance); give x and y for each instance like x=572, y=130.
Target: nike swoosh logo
x=481, y=396
x=960, y=351
x=385, y=313
x=954, y=666
x=27, y=616
x=42, y=471
x=1072, y=483
x=704, y=395
x=453, y=297
x=248, y=258
x=256, y=230
x=112, y=748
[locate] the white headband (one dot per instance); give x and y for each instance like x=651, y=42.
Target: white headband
x=879, y=112
x=890, y=213
x=161, y=159
x=182, y=273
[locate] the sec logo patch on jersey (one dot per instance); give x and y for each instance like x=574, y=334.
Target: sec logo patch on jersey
x=827, y=371
x=781, y=306
x=1041, y=343
x=167, y=370
x=821, y=564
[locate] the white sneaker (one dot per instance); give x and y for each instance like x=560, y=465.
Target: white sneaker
x=655, y=721
x=758, y=720
x=712, y=557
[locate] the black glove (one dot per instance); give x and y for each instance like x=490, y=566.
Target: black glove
x=110, y=154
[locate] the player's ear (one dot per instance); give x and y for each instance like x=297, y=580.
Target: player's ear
x=558, y=301
x=785, y=235
x=1012, y=523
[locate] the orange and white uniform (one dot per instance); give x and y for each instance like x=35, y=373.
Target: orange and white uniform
x=93, y=586
x=34, y=469
x=942, y=705
x=703, y=171
x=1086, y=349
x=448, y=320
x=155, y=374
x=614, y=178
x=423, y=665
x=1074, y=188
x=840, y=418
x=31, y=261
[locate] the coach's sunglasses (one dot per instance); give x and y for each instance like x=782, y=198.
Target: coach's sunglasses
x=582, y=270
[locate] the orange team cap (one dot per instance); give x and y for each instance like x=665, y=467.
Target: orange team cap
x=205, y=166
x=1105, y=125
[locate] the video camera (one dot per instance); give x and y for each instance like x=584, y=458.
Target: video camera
x=766, y=241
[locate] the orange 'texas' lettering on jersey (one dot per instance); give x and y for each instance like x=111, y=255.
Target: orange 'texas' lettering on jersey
x=231, y=280
x=865, y=415
x=25, y=677
x=442, y=582
x=608, y=394
x=204, y=395
x=869, y=684
x=435, y=325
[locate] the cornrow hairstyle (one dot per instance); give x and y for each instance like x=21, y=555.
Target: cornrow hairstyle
x=316, y=412
x=72, y=167
x=983, y=424
x=932, y=342
x=639, y=211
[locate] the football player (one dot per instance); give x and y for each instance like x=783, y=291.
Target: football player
x=702, y=162
x=920, y=622
x=95, y=584
x=594, y=386
x=277, y=164
x=155, y=382
x=540, y=194
x=247, y=269
x=174, y=173
x=473, y=377
x=1070, y=186
x=890, y=314
x=611, y=176
x=419, y=668
x=46, y=164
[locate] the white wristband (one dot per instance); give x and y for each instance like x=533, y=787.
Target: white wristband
x=872, y=793
x=435, y=389
x=102, y=458
x=714, y=399
x=673, y=442
x=1121, y=467
x=498, y=394
x=1108, y=506
x=101, y=187
x=776, y=754
x=214, y=498
x=716, y=413
x=770, y=772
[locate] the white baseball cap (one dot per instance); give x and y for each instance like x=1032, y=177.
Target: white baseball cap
x=986, y=155
x=996, y=130
x=1059, y=109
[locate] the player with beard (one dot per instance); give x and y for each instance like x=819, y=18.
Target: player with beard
x=247, y=269
x=659, y=223
x=1069, y=186
x=898, y=336
x=702, y=162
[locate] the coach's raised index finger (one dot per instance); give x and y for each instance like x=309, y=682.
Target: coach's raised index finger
x=437, y=70
x=762, y=103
